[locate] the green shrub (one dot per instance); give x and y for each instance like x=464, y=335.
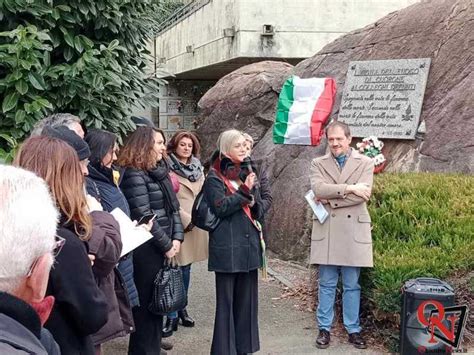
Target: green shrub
x=88, y=58
x=423, y=226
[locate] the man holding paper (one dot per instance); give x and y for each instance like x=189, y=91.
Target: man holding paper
x=342, y=181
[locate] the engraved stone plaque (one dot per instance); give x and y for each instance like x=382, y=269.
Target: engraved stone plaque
x=383, y=98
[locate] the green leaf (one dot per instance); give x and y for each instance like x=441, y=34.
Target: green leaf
x=78, y=44
x=68, y=53
x=37, y=81
x=68, y=37
x=21, y=87
x=20, y=116
x=64, y=8
x=10, y=102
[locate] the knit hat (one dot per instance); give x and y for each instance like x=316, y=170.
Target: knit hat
x=71, y=138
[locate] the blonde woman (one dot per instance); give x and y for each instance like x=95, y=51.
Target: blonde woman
x=235, y=252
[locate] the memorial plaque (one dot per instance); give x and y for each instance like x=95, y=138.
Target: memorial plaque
x=383, y=98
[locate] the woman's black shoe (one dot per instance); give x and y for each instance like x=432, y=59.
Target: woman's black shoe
x=186, y=320
x=170, y=327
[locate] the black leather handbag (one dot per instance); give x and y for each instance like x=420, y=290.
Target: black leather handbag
x=201, y=214
x=169, y=294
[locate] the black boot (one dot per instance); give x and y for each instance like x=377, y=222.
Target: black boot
x=186, y=320
x=170, y=327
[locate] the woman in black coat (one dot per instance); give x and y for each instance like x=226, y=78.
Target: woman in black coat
x=103, y=184
x=147, y=187
x=235, y=251
x=80, y=308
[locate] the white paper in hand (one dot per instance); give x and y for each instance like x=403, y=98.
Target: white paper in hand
x=317, y=207
x=132, y=236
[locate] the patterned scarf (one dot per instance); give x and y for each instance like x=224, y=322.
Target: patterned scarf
x=192, y=171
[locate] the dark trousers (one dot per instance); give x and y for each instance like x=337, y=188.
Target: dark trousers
x=146, y=340
x=236, y=322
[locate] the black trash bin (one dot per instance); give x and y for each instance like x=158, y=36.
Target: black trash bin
x=414, y=336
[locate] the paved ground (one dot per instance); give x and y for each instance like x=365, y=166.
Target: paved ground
x=283, y=328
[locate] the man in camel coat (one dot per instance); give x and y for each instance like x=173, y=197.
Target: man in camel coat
x=342, y=181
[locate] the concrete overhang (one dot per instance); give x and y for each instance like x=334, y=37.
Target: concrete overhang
x=218, y=70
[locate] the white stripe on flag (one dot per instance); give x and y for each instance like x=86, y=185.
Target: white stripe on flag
x=306, y=93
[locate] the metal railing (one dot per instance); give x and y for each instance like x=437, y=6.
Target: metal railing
x=180, y=15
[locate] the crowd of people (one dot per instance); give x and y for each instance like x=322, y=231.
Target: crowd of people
x=65, y=286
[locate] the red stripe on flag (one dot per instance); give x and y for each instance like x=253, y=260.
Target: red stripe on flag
x=322, y=110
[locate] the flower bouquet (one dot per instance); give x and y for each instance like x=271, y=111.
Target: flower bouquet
x=372, y=147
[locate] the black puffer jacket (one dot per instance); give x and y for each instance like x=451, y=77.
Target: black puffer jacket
x=144, y=193
x=234, y=246
x=145, y=196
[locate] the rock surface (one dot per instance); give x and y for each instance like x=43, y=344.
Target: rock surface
x=442, y=30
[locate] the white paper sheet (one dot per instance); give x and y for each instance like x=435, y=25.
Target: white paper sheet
x=320, y=212
x=132, y=236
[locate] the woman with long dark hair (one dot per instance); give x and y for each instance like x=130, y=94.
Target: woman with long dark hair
x=103, y=184
x=148, y=189
x=80, y=308
x=183, y=153
x=235, y=246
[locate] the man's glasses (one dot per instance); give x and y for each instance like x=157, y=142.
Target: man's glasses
x=58, y=245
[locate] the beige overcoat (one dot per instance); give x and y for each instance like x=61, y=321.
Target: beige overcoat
x=195, y=245
x=344, y=239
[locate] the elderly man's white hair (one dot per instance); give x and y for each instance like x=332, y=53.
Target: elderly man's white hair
x=28, y=219
x=55, y=120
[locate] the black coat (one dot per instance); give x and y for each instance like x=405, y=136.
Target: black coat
x=80, y=308
x=100, y=184
x=234, y=246
x=145, y=196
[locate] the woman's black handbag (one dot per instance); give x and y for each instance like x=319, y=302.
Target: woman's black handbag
x=169, y=294
x=201, y=214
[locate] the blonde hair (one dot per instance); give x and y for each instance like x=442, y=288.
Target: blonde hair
x=227, y=139
x=248, y=138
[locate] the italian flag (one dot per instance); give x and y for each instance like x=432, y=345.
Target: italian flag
x=303, y=107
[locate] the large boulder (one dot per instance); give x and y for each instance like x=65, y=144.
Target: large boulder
x=244, y=99
x=442, y=30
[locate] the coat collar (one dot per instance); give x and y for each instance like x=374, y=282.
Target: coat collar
x=340, y=177
x=20, y=311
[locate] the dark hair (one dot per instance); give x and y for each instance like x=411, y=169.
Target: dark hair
x=138, y=149
x=174, y=141
x=100, y=143
x=342, y=125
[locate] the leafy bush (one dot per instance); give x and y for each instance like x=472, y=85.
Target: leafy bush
x=423, y=226
x=89, y=58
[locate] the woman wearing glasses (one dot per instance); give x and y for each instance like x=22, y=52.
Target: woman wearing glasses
x=80, y=307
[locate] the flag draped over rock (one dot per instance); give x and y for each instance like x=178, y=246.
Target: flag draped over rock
x=304, y=106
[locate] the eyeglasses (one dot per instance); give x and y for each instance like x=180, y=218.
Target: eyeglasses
x=58, y=245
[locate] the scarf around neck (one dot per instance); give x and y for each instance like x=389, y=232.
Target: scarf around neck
x=191, y=171
x=160, y=174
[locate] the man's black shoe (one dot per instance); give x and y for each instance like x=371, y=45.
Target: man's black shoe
x=357, y=340
x=323, y=339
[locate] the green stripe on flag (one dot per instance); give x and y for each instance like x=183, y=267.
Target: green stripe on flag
x=285, y=101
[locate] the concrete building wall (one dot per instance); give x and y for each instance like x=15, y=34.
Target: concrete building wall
x=302, y=28
x=203, y=30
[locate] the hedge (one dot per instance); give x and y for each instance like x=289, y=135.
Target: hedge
x=423, y=226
